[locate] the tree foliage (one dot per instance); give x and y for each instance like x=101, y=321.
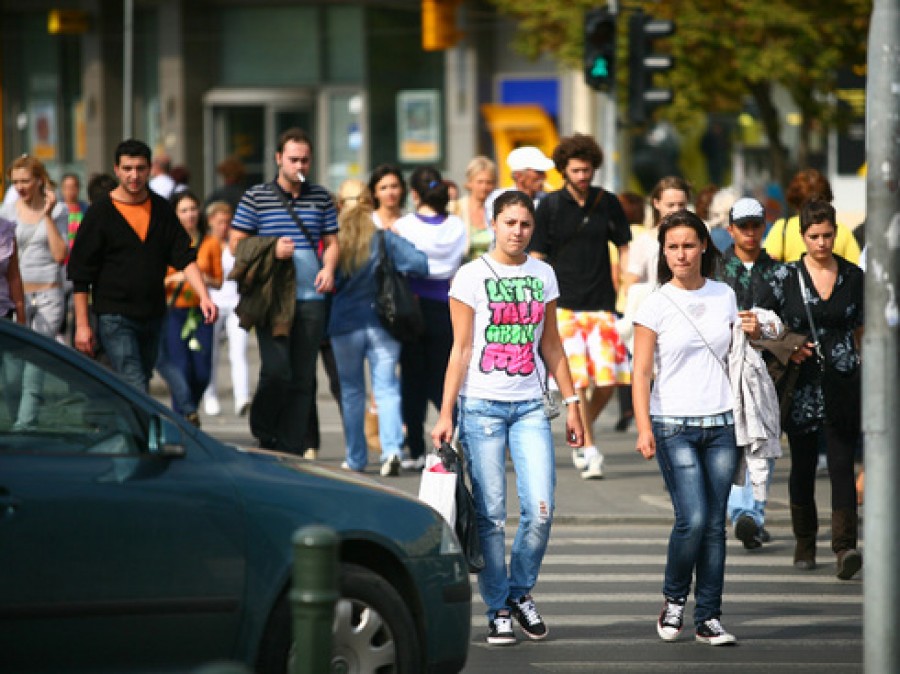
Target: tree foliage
x=726, y=51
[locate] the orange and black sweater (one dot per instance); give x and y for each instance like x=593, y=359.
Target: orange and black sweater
x=124, y=274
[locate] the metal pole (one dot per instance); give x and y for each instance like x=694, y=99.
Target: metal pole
x=127, y=68
x=610, y=130
x=313, y=598
x=880, y=370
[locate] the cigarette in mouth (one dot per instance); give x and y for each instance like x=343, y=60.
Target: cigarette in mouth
x=301, y=177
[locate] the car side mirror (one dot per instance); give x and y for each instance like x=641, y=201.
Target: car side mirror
x=165, y=438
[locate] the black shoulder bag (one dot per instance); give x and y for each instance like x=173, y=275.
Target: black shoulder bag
x=290, y=209
x=395, y=303
x=841, y=390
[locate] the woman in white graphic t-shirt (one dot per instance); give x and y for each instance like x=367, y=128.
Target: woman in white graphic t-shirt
x=505, y=339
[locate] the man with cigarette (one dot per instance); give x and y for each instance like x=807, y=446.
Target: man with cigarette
x=302, y=219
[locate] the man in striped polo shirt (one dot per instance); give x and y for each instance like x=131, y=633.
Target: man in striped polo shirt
x=287, y=379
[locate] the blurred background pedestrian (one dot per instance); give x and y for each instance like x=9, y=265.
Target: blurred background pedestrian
x=388, y=190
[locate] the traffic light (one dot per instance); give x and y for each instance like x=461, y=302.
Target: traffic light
x=600, y=49
x=643, y=97
x=439, y=24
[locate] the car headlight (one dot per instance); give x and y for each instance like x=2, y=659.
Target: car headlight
x=449, y=543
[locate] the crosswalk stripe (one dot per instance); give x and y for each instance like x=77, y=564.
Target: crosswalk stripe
x=794, y=579
x=659, y=560
x=654, y=598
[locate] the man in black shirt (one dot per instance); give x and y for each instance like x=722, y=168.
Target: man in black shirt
x=573, y=229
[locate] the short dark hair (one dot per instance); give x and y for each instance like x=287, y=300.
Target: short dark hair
x=633, y=205
x=806, y=185
x=577, y=146
x=685, y=218
x=512, y=198
x=380, y=172
x=426, y=181
x=99, y=186
x=815, y=212
x=296, y=135
x=132, y=148
x=73, y=176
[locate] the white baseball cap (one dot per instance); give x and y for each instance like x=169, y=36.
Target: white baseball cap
x=528, y=157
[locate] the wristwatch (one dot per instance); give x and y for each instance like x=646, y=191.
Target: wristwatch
x=571, y=399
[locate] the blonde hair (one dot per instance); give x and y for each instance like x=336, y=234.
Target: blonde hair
x=217, y=207
x=479, y=164
x=355, y=225
x=34, y=166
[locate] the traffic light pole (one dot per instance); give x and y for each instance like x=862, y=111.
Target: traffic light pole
x=880, y=362
x=610, y=130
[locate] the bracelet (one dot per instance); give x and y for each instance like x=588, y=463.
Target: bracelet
x=571, y=399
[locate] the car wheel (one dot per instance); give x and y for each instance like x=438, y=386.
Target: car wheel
x=373, y=630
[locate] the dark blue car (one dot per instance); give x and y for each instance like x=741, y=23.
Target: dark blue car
x=133, y=542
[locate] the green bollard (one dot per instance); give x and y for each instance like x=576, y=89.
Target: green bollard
x=313, y=598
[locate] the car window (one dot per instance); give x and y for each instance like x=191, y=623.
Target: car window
x=49, y=406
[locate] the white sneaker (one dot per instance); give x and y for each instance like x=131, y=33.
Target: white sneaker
x=578, y=459
x=212, y=407
x=391, y=467
x=311, y=454
x=594, y=470
x=414, y=464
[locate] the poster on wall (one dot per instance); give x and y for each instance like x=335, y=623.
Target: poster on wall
x=419, y=126
x=42, y=130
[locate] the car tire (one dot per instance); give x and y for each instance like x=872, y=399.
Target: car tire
x=374, y=629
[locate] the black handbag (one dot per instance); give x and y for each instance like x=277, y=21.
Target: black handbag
x=396, y=305
x=466, y=518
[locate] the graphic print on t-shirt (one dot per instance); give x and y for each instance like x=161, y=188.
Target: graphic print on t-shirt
x=516, y=307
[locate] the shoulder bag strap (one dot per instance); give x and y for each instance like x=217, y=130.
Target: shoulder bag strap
x=290, y=209
x=694, y=325
x=804, y=292
x=542, y=382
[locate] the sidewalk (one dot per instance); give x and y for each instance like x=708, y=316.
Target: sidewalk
x=632, y=489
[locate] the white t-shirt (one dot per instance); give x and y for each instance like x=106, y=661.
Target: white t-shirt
x=443, y=240
x=643, y=257
x=509, y=322
x=227, y=296
x=690, y=382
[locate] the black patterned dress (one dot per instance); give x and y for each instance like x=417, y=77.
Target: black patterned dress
x=836, y=319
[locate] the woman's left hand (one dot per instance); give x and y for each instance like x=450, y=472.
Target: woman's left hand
x=750, y=324
x=442, y=431
x=574, y=427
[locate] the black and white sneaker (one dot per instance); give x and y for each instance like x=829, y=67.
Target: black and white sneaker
x=529, y=619
x=671, y=619
x=501, y=629
x=711, y=632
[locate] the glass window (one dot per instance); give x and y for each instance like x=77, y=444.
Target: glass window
x=345, y=137
x=48, y=406
x=344, y=42
x=270, y=46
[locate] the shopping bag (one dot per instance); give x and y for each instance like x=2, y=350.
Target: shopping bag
x=438, y=488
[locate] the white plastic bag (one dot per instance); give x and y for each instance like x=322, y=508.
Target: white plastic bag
x=438, y=488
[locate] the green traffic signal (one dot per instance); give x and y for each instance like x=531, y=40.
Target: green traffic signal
x=600, y=49
x=600, y=69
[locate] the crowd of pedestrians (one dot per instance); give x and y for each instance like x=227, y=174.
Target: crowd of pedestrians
x=526, y=294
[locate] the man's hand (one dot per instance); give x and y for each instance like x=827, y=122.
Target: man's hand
x=325, y=280
x=284, y=248
x=85, y=341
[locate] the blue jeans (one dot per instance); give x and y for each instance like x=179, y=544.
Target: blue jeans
x=486, y=428
x=186, y=372
x=351, y=350
x=132, y=346
x=741, y=501
x=698, y=465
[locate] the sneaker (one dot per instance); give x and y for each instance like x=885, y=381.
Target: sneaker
x=212, y=407
x=346, y=466
x=501, y=629
x=578, y=459
x=241, y=409
x=311, y=454
x=746, y=530
x=764, y=535
x=594, y=470
x=529, y=619
x=391, y=467
x=671, y=619
x=413, y=464
x=193, y=418
x=711, y=632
